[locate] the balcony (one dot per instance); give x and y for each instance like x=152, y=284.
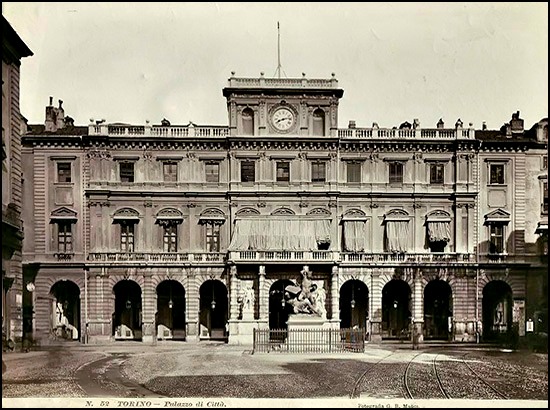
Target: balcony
x=155, y=258
x=11, y=216
x=407, y=258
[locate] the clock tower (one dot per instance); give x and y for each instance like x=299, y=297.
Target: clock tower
x=283, y=106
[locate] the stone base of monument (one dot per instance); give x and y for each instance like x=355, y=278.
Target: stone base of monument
x=308, y=333
x=241, y=332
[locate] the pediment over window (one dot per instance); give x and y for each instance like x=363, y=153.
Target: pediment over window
x=438, y=216
x=212, y=215
x=247, y=211
x=169, y=213
x=63, y=213
x=283, y=211
x=497, y=216
x=397, y=215
x=354, y=215
x=319, y=212
x=126, y=213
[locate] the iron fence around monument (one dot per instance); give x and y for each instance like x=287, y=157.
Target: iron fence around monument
x=306, y=340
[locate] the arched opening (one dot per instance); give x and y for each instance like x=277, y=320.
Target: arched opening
x=65, y=310
x=318, y=123
x=170, y=317
x=354, y=305
x=437, y=310
x=497, y=311
x=248, y=121
x=396, y=309
x=278, y=308
x=213, y=310
x=127, y=316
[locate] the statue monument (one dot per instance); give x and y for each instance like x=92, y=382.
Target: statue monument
x=306, y=298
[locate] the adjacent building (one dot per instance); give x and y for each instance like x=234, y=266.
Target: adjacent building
x=13, y=125
x=192, y=232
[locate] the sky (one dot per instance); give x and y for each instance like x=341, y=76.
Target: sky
x=132, y=62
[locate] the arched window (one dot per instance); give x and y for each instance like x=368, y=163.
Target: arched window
x=248, y=121
x=318, y=122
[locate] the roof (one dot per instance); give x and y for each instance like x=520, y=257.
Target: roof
x=13, y=47
x=39, y=129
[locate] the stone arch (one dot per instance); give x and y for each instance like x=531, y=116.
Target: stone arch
x=406, y=275
x=516, y=284
x=65, y=309
x=441, y=274
x=213, y=309
x=128, y=307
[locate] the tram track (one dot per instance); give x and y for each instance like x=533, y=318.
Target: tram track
x=427, y=386
x=493, y=388
x=355, y=391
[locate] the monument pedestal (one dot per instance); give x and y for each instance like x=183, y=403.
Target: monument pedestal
x=241, y=332
x=308, y=330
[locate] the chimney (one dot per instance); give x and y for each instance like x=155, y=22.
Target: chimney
x=351, y=124
x=55, y=117
x=516, y=123
x=484, y=126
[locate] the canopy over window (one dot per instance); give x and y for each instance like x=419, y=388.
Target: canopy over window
x=279, y=234
x=355, y=235
x=439, y=231
x=397, y=235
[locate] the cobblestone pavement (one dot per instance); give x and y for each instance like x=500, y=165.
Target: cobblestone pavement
x=221, y=371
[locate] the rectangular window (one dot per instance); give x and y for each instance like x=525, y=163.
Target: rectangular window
x=170, y=171
x=545, y=197
x=353, y=169
x=283, y=171
x=496, y=173
x=63, y=172
x=318, y=171
x=212, y=171
x=127, y=237
x=212, y=237
x=396, y=173
x=248, y=171
x=170, y=238
x=545, y=162
x=64, y=237
x=437, y=174
x=126, y=172
x=496, y=242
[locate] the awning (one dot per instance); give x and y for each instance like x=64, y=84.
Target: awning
x=397, y=236
x=355, y=235
x=279, y=234
x=439, y=231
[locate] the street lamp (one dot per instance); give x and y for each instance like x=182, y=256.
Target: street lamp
x=352, y=296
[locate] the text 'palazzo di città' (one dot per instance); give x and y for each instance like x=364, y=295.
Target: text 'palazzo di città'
x=192, y=232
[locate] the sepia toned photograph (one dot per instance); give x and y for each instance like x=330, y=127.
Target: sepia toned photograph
x=274, y=204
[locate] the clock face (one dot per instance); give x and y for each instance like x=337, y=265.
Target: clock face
x=283, y=119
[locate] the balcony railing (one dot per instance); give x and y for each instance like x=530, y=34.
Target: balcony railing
x=385, y=257
x=188, y=131
x=263, y=82
x=156, y=257
x=282, y=255
x=314, y=256
x=407, y=134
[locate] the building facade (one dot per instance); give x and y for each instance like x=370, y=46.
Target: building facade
x=196, y=232
x=13, y=124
